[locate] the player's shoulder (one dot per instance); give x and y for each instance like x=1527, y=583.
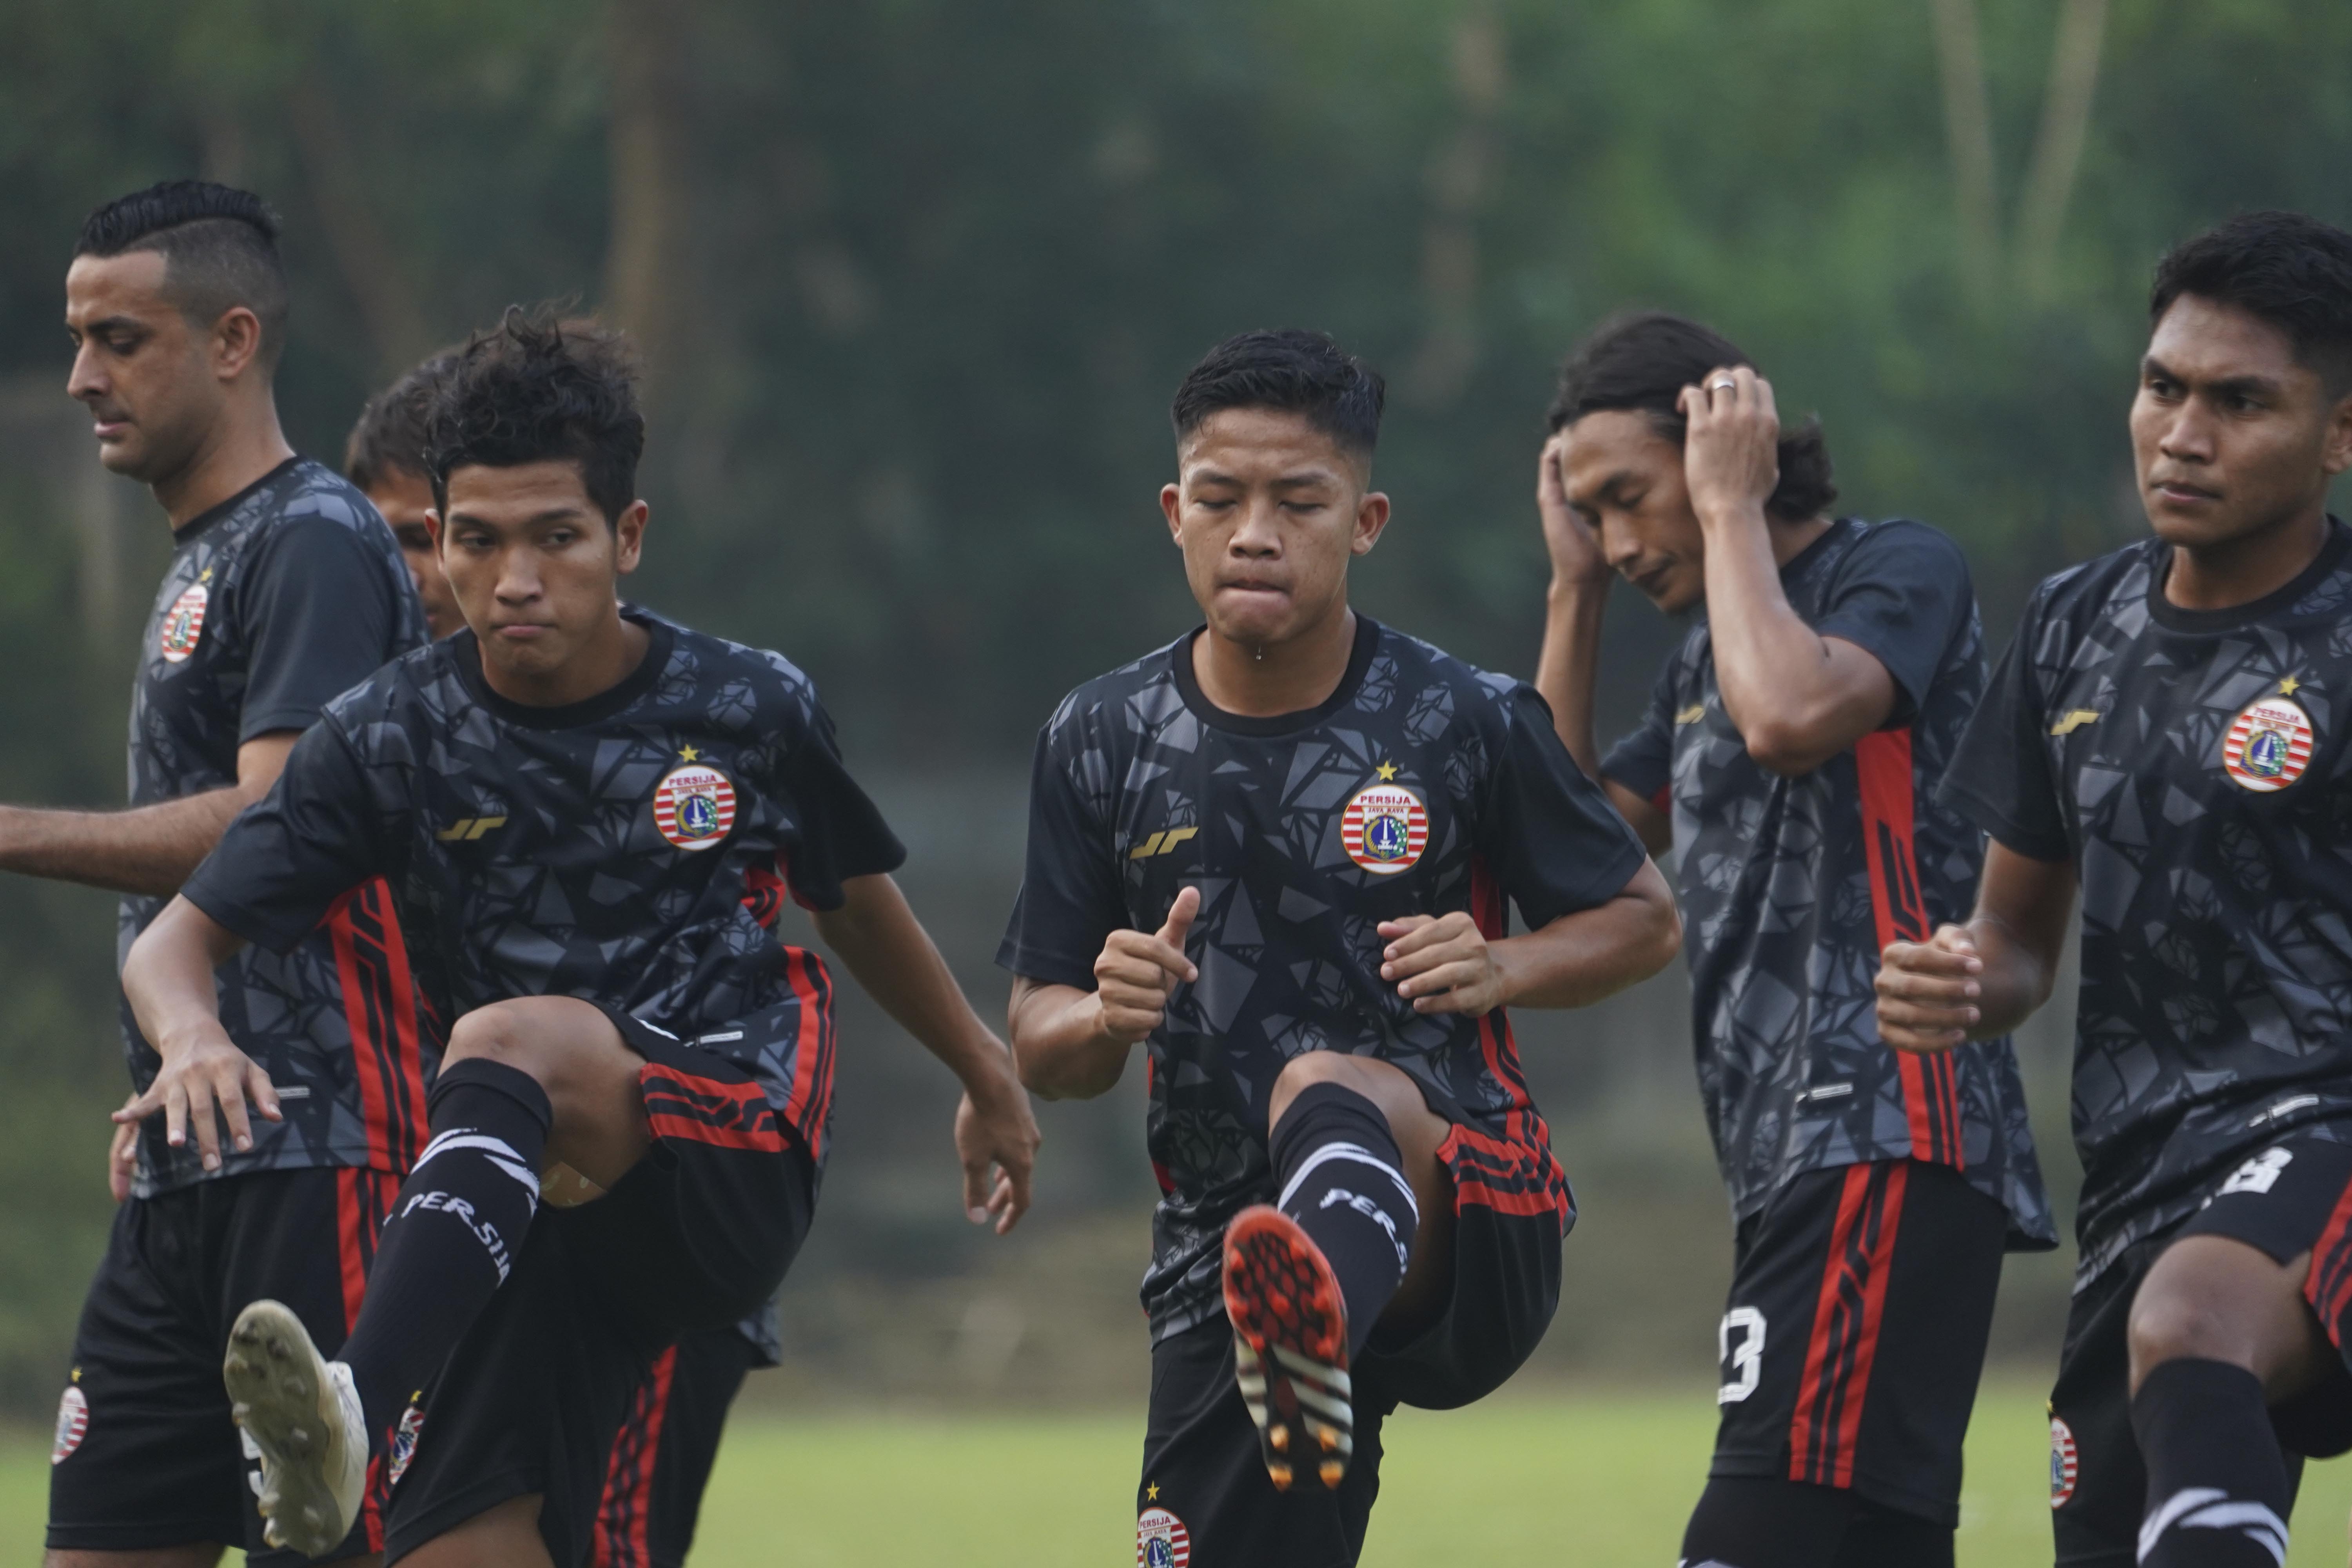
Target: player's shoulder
x=422, y=684
x=1144, y=691
x=2105, y=587
x=731, y=685
x=1436, y=686
x=1908, y=541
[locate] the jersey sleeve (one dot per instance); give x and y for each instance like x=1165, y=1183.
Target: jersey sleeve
x=1642, y=760
x=1069, y=901
x=319, y=618
x=843, y=834
x=1900, y=597
x=312, y=839
x=2000, y=777
x=1547, y=831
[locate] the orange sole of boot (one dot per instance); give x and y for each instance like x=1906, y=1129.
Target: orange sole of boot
x=1290, y=1330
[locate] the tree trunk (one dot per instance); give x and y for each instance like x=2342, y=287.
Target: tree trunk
x=647, y=130
x=362, y=249
x=2058, y=151
x=1459, y=178
x=1967, y=129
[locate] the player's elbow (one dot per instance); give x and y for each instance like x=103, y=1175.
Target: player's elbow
x=1789, y=749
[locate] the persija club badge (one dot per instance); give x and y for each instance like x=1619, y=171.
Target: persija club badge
x=1384, y=828
x=2268, y=744
x=73, y=1424
x=695, y=805
x=2066, y=1463
x=1162, y=1540
x=183, y=623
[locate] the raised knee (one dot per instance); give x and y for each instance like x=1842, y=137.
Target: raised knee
x=498, y=1032
x=2170, y=1325
x=1315, y=1067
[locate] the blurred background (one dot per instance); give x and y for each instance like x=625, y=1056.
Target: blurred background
x=914, y=281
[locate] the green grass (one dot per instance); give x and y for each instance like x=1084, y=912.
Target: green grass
x=1601, y=1480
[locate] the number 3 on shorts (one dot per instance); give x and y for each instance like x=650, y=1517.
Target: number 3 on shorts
x=1740, y=1343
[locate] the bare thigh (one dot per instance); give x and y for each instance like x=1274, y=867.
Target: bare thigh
x=506, y=1536
x=589, y=1072
x=2214, y=1299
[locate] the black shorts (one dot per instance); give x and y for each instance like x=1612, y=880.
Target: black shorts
x=1204, y=1486
x=1854, y=1333
x=2291, y=1198
x=668, y=1441
x=696, y=1235
x=146, y=1455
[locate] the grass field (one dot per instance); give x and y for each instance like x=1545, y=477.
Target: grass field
x=1597, y=1481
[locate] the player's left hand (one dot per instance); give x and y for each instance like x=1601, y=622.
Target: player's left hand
x=1442, y=963
x=996, y=1138
x=123, y=1156
x=1731, y=453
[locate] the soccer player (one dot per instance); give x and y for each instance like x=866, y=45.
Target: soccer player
x=591, y=819
x=668, y=1440
x=1789, y=752
x=384, y=455
x=284, y=589
x=2164, y=739
x=1277, y=851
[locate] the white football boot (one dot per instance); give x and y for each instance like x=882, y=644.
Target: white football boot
x=303, y=1413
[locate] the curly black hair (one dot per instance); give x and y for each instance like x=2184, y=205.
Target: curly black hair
x=1290, y=370
x=220, y=246
x=540, y=387
x=2290, y=271
x=1641, y=361
x=388, y=438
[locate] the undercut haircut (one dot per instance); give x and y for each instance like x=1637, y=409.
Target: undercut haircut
x=389, y=436
x=220, y=246
x=1290, y=370
x=540, y=388
x=2284, y=269
x=1641, y=361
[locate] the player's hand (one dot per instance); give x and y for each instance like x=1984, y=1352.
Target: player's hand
x=996, y=1138
x=1731, y=454
x=123, y=1156
x=1573, y=544
x=204, y=1083
x=1927, y=990
x=1442, y=963
x=1137, y=973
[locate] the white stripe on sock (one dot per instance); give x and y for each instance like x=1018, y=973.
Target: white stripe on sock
x=501, y=1153
x=2210, y=1507
x=1361, y=1155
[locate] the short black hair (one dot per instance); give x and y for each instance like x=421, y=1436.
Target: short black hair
x=1292, y=371
x=220, y=246
x=389, y=436
x=540, y=387
x=1640, y=361
x=2285, y=269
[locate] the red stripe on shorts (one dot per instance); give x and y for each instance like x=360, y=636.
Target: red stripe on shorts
x=1827, y=1426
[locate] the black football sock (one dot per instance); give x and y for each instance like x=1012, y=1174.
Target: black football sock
x=2216, y=1482
x=1766, y=1521
x=452, y=1234
x=1341, y=1177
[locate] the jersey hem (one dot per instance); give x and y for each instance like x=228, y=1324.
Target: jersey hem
x=145, y=1185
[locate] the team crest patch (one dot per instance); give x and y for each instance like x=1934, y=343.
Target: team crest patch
x=694, y=807
x=183, y=623
x=1384, y=828
x=2268, y=745
x=1162, y=1540
x=73, y=1424
x=2063, y=1463
x=403, y=1445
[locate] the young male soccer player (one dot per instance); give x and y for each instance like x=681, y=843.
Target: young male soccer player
x=668, y=1440
x=1278, y=851
x=1791, y=749
x=284, y=589
x=2166, y=734
x=590, y=819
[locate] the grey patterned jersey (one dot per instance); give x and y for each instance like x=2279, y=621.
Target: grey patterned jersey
x=277, y=600
x=1791, y=887
x=2192, y=767
x=1422, y=786
x=635, y=849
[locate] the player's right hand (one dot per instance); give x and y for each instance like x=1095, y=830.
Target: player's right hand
x=1927, y=990
x=204, y=1083
x=1137, y=972
x=1573, y=544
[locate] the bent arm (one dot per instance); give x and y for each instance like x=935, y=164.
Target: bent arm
x=1567, y=675
x=1581, y=958
x=1976, y=981
x=895, y=959
x=1062, y=1041
x=1796, y=696
x=148, y=849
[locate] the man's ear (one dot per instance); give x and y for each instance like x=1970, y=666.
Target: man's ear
x=2337, y=456
x=236, y=342
x=629, y=537
x=432, y=528
x=1172, y=503
x=1372, y=521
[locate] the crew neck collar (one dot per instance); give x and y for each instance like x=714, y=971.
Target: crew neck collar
x=2229, y=617
x=1188, y=685
x=467, y=650
x=219, y=510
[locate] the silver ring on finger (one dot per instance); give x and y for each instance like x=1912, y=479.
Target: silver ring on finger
x=1725, y=384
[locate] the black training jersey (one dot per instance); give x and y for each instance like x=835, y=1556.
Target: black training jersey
x=1791, y=887
x=634, y=849
x=2192, y=767
x=1422, y=786
x=276, y=601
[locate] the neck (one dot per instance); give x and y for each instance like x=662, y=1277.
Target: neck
x=243, y=445
x=607, y=657
x=1790, y=539
x=1263, y=680
x=2252, y=566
